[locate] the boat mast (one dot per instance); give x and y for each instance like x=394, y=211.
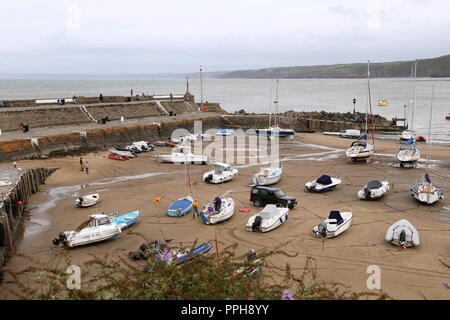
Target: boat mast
x=370, y=102
x=201, y=88
x=270, y=104
x=276, y=106
x=429, y=127
x=414, y=95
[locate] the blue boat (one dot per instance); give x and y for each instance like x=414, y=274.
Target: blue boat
x=180, y=207
x=224, y=132
x=126, y=220
x=186, y=255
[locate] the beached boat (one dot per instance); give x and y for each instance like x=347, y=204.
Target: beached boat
x=215, y=212
x=267, y=176
x=180, y=207
x=87, y=200
x=360, y=150
x=447, y=117
x=224, y=132
x=336, y=223
x=140, y=146
x=126, y=220
x=322, y=184
x=402, y=233
x=254, y=265
x=426, y=192
x=222, y=172
x=375, y=189
x=408, y=153
x=117, y=157
x=98, y=228
x=181, y=154
x=268, y=219
x=123, y=153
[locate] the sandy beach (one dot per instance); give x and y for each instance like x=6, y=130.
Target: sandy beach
x=125, y=186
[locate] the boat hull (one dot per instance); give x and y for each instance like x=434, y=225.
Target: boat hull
x=225, y=213
x=181, y=207
x=126, y=220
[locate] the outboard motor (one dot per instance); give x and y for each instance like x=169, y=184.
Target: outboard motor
x=256, y=226
x=61, y=238
x=321, y=230
x=209, y=178
x=402, y=239
x=367, y=193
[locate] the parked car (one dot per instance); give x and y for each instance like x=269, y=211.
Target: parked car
x=262, y=195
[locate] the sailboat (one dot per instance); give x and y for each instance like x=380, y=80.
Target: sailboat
x=360, y=149
x=183, y=205
x=425, y=191
x=410, y=134
x=408, y=153
x=275, y=130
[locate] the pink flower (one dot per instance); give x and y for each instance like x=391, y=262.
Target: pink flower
x=445, y=284
x=167, y=256
x=287, y=295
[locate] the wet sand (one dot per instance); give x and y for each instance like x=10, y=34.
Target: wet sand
x=131, y=185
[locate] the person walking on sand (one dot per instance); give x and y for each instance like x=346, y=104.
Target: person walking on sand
x=86, y=167
x=15, y=165
x=195, y=204
x=81, y=164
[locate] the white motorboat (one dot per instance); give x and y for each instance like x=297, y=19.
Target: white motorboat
x=98, y=228
x=403, y=234
x=408, y=153
x=140, y=146
x=123, y=153
x=373, y=190
x=406, y=135
x=350, y=134
x=267, y=176
x=322, y=184
x=222, y=172
x=268, y=219
x=180, y=155
x=336, y=223
x=88, y=200
x=426, y=192
x=215, y=212
x=360, y=149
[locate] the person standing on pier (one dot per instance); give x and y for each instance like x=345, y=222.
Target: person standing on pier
x=81, y=164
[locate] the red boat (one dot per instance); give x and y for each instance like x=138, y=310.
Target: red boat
x=171, y=144
x=421, y=139
x=117, y=157
x=447, y=117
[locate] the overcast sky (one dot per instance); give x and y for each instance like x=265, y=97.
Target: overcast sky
x=153, y=36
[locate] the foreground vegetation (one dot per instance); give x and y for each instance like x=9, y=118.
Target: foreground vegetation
x=203, y=278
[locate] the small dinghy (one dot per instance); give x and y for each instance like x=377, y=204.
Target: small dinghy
x=254, y=265
x=88, y=200
x=117, y=157
x=403, y=234
x=224, y=132
x=268, y=219
x=187, y=254
x=123, y=153
x=160, y=144
x=179, y=156
x=408, y=153
x=126, y=220
x=375, y=189
x=360, y=150
x=180, y=207
x=140, y=146
x=221, y=209
x=222, y=172
x=99, y=228
x=267, y=176
x=426, y=192
x=322, y=184
x=336, y=223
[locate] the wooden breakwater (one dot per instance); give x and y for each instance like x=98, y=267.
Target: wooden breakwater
x=16, y=186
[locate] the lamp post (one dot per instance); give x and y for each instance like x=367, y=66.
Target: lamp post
x=354, y=105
